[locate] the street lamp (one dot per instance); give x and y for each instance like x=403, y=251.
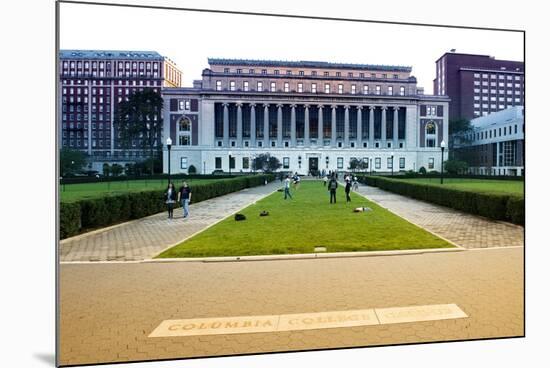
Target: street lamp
x=169, y=146
x=391, y=164
x=229, y=162
x=442, y=150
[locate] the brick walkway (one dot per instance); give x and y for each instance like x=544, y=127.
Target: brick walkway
x=109, y=309
x=466, y=230
x=144, y=238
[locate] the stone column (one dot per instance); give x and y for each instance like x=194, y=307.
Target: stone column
x=333, y=127
x=383, y=138
x=279, y=125
x=293, y=125
x=371, y=126
x=306, y=125
x=359, y=138
x=320, y=137
x=225, y=125
x=266, y=125
x=346, y=126
x=252, y=125
x=395, y=127
x=239, y=125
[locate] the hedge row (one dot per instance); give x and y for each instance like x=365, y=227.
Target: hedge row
x=105, y=179
x=83, y=215
x=494, y=206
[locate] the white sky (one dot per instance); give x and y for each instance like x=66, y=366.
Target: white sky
x=189, y=38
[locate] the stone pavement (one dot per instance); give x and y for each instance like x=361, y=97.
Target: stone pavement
x=466, y=230
x=143, y=238
x=107, y=310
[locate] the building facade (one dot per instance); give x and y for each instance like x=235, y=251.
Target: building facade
x=496, y=144
x=478, y=85
x=92, y=83
x=310, y=115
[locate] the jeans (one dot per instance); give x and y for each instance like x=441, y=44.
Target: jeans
x=185, y=207
x=287, y=193
x=170, y=210
x=333, y=195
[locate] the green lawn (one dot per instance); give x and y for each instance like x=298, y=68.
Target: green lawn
x=75, y=192
x=308, y=220
x=476, y=185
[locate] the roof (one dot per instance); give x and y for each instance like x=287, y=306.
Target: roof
x=110, y=54
x=307, y=64
x=513, y=113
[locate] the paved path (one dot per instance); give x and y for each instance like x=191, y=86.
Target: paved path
x=109, y=309
x=144, y=238
x=466, y=230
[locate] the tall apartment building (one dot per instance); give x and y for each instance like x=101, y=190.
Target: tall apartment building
x=311, y=115
x=92, y=83
x=478, y=85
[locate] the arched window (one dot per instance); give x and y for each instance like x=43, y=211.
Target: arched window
x=184, y=125
x=431, y=130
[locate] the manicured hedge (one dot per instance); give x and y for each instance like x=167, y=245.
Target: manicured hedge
x=495, y=206
x=83, y=215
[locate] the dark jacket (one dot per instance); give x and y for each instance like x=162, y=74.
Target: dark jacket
x=173, y=195
x=330, y=184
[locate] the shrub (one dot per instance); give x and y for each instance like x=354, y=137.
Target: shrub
x=515, y=210
x=87, y=214
x=192, y=169
x=422, y=170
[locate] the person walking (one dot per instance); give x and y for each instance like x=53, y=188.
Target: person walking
x=355, y=184
x=184, y=197
x=287, y=187
x=332, y=186
x=347, y=190
x=325, y=180
x=170, y=197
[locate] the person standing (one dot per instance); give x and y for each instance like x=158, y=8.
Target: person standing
x=325, y=180
x=332, y=186
x=170, y=196
x=347, y=189
x=287, y=187
x=184, y=197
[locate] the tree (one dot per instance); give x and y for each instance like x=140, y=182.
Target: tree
x=116, y=169
x=71, y=161
x=139, y=122
x=422, y=170
x=266, y=163
x=192, y=169
x=357, y=164
x=106, y=169
x=458, y=133
x=455, y=166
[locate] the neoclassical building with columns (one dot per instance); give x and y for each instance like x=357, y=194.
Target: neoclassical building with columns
x=310, y=115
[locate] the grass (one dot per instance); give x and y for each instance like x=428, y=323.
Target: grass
x=75, y=192
x=308, y=220
x=475, y=185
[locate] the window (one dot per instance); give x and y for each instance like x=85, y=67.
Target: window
x=289, y=72
x=232, y=85
x=184, y=125
x=259, y=86
x=350, y=74
x=384, y=76
x=239, y=71
x=390, y=90
x=327, y=88
x=287, y=87
x=402, y=91
x=184, y=140
x=431, y=163
x=301, y=72
x=226, y=70
x=231, y=162
x=340, y=88
x=313, y=87
x=250, y=71
x=183, y=162
x=340, y=162
x=378, y=163
x=401, y=163
x=365, y=90
x=246, y=162
x=377, y=90
x=264, y=71
x=300, y=87
x=218, y=86
x=314, y=73
x=286, y=162
x=353, y=89
x=273, y=87
x=338, y=74
x=325, y=74
x=245, y=86
x=218, y=163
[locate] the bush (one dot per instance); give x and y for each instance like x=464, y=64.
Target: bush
x=88, y=214
x=192, y=169
x=422, y=170
x=494, y=206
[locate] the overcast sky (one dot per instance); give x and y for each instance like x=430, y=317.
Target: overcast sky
x=189, y=38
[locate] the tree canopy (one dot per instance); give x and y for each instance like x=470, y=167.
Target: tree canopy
x=71, y=161
x=266, y=163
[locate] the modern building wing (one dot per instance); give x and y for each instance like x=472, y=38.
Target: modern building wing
x=311, y=115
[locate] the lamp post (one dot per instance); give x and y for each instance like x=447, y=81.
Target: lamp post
x=229, y=162
x=392, y=164
x=169, y=146
x=442, y=150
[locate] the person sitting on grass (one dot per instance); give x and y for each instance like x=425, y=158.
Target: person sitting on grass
x=287, y=187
